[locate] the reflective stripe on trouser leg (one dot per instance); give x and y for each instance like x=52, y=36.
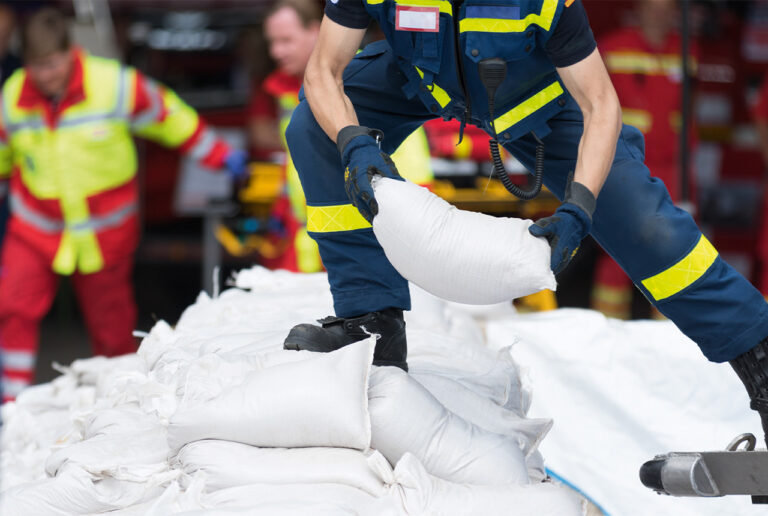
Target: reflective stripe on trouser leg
x=639, y=226
x=11, y=387
x=27, y=289
x=362, y=279
x=18, y=372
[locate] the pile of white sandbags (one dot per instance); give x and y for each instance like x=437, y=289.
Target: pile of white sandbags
x=213, y=417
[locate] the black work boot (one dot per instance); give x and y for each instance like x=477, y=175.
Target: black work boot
x=336, y=332
x=752, y=369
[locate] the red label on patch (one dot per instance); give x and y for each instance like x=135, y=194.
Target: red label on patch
x=417, y=18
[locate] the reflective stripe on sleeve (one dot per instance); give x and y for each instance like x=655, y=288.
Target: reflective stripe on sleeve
x=528, y=107
x=152, y=114
x=330, y=219
x=682, y=274
x=203, y=146
x=543, y=20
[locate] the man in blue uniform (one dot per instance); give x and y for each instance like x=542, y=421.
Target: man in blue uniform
x=528, y=72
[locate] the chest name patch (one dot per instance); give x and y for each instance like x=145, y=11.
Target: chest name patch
x=417, y=18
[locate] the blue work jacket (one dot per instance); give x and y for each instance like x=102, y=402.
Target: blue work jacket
x=439, y=43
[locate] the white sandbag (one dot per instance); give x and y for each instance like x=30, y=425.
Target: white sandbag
x=491, y=375
x=317, y=402
x=423, y=493
x=174, y=500
x=292, y=499
x=405, y=417
x=458, y=255
x=227, y=464
x=122, y=443
x=484, y=413
x=74, y=491
x=208, y=376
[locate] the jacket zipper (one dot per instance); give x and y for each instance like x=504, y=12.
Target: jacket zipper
x=456, y=8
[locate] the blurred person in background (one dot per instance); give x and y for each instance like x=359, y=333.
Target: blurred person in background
x=66, y=147
x=644, y=63
x=291, y=28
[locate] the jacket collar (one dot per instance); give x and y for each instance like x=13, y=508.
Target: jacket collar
x=31, y=97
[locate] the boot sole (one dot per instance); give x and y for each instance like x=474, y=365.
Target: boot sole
x=298, y=340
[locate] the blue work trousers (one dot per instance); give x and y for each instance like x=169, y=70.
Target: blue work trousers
x=658, y=245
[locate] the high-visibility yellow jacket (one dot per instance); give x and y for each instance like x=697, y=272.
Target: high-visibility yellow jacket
x=72, y=163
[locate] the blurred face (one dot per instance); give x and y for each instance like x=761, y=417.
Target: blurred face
x=290, y=43
x=6, y=29
x=657, y=17
x=50, y=74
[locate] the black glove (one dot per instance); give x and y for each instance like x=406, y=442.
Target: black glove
x=567, y=227
x=362, y=160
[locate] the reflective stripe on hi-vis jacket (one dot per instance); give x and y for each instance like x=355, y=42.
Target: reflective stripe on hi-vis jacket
x=639, y=118
x=644, y=63
x=46, y=224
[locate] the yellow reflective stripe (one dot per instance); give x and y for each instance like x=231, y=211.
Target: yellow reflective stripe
x=645, y=63
x=528, y=107
x=444, y=5
x=329, y=219
x=683, y=273
x=543, y=20
x=438, y=93
x=637, y=118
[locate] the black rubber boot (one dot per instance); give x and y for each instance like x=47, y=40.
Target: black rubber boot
x=752, y=369
x=336, y=332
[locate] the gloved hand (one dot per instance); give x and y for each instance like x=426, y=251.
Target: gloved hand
x=236, y=163
x=567, y=227
x=362, y=160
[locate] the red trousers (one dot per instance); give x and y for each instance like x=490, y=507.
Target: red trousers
x=27, y=290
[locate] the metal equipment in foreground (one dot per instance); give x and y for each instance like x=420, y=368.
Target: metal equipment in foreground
x=735, y=471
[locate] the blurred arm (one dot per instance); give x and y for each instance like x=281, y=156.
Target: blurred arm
x=158, y=114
